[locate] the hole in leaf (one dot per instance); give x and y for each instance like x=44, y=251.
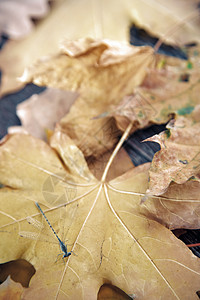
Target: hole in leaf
x=111, y=292
x=19, y=270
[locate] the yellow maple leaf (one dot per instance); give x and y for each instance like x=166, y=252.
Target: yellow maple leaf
x=114, y=238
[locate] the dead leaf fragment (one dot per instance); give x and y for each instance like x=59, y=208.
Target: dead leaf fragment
x=102, y=72
x=179, y=206
x=104, y=223
x=10, y=290
x=178, y=160
x=43, y=111
x=167, y=90
x=15, y=16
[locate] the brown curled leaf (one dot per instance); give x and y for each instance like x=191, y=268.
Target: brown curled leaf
x=102, y=72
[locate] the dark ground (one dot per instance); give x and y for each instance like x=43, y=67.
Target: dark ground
x=139, y=152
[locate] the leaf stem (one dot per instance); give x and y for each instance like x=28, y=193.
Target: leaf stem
x=123, y=138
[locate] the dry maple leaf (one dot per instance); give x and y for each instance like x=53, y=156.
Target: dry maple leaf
x=99, y=22
x=15, y=16
x=170, y=88
x=102, y=72
x=113, y=239
x=178, y=160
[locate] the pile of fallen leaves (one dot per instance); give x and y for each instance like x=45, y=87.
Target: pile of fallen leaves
x=114, y=217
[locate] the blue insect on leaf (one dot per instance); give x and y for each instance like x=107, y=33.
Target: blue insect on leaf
x=63, y=247
x=39, y=236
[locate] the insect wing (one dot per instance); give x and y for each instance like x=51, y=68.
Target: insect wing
x=37, y=224
x=43, y=237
